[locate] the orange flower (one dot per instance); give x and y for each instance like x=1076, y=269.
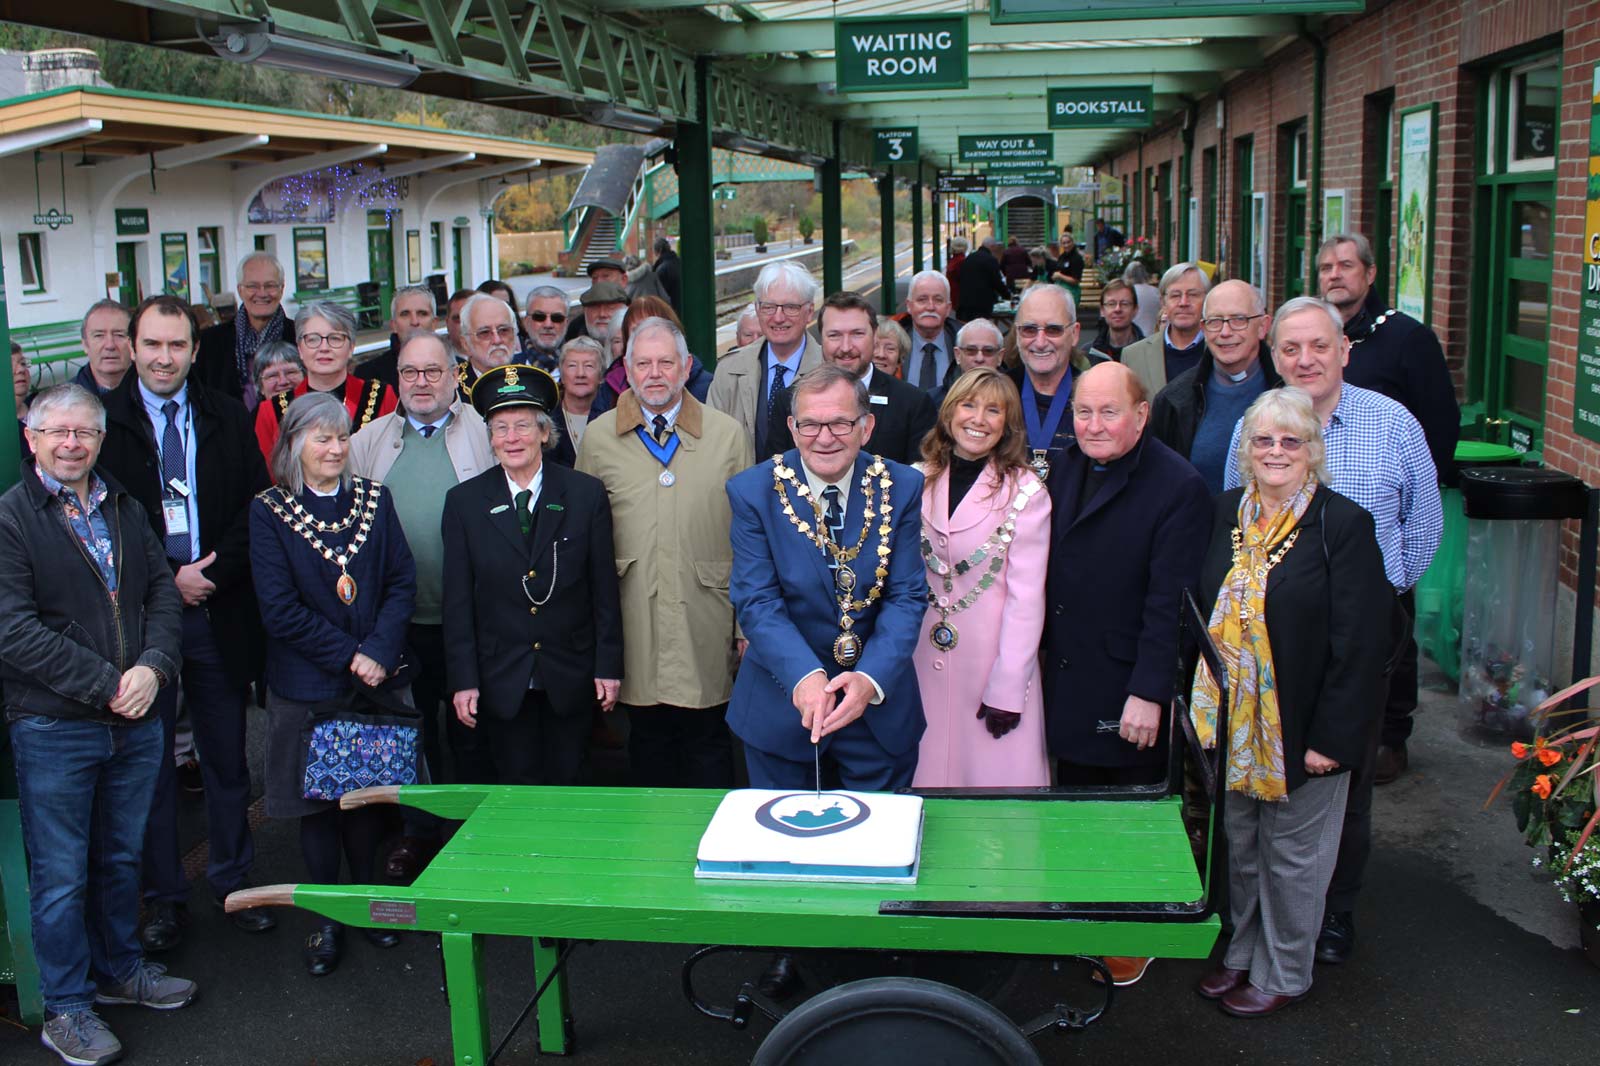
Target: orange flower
x=1541, y=786
x=1519, y=749
x=1547, y=756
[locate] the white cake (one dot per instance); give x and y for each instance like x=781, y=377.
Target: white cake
x=768, y=835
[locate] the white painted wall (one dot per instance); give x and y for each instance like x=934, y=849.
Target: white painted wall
x=77, y=257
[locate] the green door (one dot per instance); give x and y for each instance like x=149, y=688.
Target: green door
x=1244, y=174
x=380, y=255
x=1519, y=310
x=128, y=270
x=1294, y=245
x=458, y=255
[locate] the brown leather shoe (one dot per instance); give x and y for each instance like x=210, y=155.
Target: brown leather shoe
x=1125, y=969
x=1221, y=981
x=1390, y=764
x=1248, y=1001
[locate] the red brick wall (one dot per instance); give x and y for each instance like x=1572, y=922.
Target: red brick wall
x=1423, y=51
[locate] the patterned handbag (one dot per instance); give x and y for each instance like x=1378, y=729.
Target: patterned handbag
x=368, y=737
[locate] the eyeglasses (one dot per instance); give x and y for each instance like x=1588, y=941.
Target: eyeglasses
x=540, y=316
x=333, y=340
x=788, y=309
x=254, y=287
x=56, y=435
x=1236, y=322
x=1264, y=443
x=1117, y=305
x=490, y=333
x=980, y=349
x=502, y=430
x=1054, y=330
x=839, y=427
x=430, y=374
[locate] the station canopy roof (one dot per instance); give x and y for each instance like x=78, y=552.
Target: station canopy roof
x=762, y=72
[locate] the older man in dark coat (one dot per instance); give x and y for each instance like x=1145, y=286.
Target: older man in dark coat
x=1129, y=519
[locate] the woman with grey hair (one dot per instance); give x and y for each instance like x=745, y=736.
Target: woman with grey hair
x=325, y=334
x=277, y=369
x=336, y=584
x=1146, y=296
x=890, y=345
x=1297, y=596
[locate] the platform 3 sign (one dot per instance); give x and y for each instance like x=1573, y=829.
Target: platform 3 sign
x=1586, y=390
x=900, y=52
x=896, y=145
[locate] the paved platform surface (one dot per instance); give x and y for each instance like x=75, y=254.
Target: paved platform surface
x=1464, y=957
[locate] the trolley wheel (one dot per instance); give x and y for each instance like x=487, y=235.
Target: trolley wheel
x=896, y=1021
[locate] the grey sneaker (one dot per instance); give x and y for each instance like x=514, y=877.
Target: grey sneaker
x=149, y=987
x=81, y=1038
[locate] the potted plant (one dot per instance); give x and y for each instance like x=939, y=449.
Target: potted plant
x=1555, y=797
x=806, y=227
x=758, y=229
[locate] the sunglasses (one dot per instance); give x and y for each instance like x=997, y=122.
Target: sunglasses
x=540, y=316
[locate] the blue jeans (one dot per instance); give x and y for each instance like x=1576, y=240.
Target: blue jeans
x=84, y=791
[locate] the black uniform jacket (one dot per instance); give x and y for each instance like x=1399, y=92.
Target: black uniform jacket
x=543, y=608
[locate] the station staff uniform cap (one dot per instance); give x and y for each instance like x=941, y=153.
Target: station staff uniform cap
x=514, y=385
x=604, y=292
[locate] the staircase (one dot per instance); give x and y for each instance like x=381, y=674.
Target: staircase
x=1025, y=222
x=602, y=240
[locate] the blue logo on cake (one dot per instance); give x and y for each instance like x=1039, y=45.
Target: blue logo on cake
x=807, y=814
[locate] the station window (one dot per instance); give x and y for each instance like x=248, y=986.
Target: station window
x=209, y=261
x=1300, y=146
x=1378, y=222
x=30, y=250
x=436, y=243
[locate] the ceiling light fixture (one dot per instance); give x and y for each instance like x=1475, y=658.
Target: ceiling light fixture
x=623, y=118
x=258, y=42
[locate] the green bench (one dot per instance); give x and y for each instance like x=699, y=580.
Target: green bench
x=50, y=347
x=347, y=297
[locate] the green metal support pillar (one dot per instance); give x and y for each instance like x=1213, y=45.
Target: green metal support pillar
x=886, y=212
x=832, y=220
x=933, y=225
x=696, y=243
x=916, y=223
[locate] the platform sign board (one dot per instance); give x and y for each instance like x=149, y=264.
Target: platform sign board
x=1586, y=393
x=970, y=183
x=1035, y=176
x=1002, y=11
x=896, y=145
x=900, y=52
x=1007, y=151
x=1083, y=107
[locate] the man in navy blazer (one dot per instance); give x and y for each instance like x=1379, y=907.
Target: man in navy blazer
x=807, y=679
x=1128, y=532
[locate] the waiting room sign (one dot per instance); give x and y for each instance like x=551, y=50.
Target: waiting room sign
x=900, y=52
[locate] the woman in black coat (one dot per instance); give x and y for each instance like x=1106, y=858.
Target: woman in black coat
x=1299, y=608
x=336, y=584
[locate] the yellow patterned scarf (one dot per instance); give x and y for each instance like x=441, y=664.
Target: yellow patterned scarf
x=1239, y=629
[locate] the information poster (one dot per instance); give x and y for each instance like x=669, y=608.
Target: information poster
x=1414, y=257
x=1586, y=391
x=175, y=265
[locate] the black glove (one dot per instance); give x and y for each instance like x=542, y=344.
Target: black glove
x=999, y=722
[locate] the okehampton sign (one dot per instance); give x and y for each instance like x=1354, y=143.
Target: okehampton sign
x=901, y=52
x=1088, y=107
x=1007, y=151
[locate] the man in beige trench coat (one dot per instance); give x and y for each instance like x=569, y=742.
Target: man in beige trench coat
x=664, y=459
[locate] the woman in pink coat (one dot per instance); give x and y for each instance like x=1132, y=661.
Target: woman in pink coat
x=985, y=542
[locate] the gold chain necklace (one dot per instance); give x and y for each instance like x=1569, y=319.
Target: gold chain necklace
x=363, y=509
x=847, y=647
x=1260, y=572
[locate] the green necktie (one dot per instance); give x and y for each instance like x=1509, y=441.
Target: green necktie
x=524, y=515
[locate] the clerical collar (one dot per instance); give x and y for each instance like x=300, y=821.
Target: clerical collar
x=1227, y=380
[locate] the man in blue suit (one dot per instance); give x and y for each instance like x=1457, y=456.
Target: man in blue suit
x=830, y=599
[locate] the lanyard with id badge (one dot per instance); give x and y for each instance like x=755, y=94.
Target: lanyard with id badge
x=175, y=493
